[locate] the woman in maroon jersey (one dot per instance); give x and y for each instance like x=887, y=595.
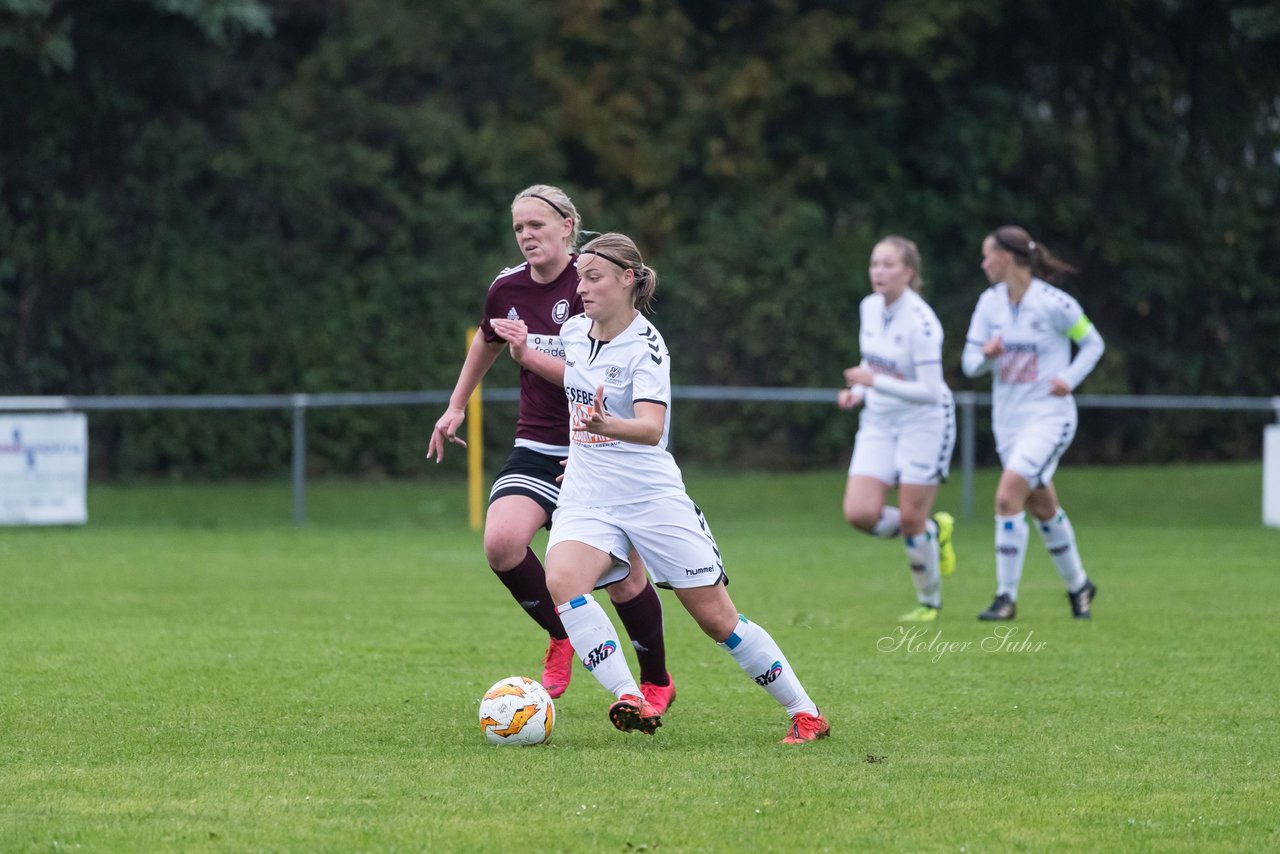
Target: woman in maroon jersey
x=543, y=293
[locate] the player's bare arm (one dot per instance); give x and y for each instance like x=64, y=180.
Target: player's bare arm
x=479, y=359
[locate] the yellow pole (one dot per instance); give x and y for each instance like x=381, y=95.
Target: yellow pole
x=475, y=449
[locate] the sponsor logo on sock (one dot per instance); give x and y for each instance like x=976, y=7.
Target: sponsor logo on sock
x=599, y=654
x=771, y=674
x=530, y=604
x=1008, y=550
x=1059, y=550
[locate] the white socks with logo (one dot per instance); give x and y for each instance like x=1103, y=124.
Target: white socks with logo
x=596, y=643
x=922, y=554
x=760, y=657
x=1011, y=551
x=1060, y=539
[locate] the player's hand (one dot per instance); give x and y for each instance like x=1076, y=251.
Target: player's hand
x=848, y=399
x=564, y=464
x=446, y=430
x=993, y=347
x=596, y=420
x=515, y=333
x=1058, y=387
x=859, y=375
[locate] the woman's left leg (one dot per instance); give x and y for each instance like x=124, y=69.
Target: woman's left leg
x=758, y=654
x=920, y=538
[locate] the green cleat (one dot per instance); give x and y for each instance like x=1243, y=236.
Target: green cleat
x=920, y=614
x=946, y=551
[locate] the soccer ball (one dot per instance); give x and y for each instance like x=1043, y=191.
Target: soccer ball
x=517, y=710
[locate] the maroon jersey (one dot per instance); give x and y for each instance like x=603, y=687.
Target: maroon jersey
x=544, y=417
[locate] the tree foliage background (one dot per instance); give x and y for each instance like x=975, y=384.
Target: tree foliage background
x=252, y=196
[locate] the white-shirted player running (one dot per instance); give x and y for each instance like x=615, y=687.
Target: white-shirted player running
x=907, y=429
x=1021, y=332
x=622, y=489
x=543, y=293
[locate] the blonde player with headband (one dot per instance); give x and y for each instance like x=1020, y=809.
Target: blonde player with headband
x=907, y=430
x=1021, y=332
x=622, y=489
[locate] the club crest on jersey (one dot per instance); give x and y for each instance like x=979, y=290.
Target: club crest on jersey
x=560, y=311
x=613, y=376
x=512, y=314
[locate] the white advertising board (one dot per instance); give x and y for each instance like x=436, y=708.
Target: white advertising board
x=44, y=469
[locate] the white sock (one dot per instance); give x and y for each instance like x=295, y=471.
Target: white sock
x=889, y=525
x=1060, y=539
x=596, y=642
x=1011, y=550
x=759, y=655
x=922, y=554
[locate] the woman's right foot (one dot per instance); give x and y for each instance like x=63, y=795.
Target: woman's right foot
x=632, y=714
x=1001, y=608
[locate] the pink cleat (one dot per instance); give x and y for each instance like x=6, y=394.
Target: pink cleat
x=633, y=714
x=806, y=728
x=659, y=696
x=557, y=666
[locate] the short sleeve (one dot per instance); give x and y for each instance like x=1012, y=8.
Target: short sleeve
x=490, y=306
x=651, y=379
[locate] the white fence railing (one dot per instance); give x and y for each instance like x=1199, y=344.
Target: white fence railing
x=967, y=403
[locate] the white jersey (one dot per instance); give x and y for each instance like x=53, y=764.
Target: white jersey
x=1037, y=335
x=902, y=345
x=633, y=367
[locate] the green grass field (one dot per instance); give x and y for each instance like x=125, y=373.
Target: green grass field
x=190, y=673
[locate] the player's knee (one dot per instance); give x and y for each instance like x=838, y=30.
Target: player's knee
x=862, y=518
x=504, y=553
x=717, y=627
x=1008, y=504
x=628, y=588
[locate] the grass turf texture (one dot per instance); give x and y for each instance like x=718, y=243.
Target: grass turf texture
x=190, y=673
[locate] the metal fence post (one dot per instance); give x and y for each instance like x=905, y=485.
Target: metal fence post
x=299, y=458
x=968, y=405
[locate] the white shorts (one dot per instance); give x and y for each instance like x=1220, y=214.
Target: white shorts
x=1033, y=448
x=670, y=535
x=917, y=451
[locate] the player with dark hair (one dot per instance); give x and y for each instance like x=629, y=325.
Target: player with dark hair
x=1021, y=332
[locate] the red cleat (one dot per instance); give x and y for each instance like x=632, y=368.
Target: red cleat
x=557, y=666
x=659, y=696
x=633, y=714
x=806, y=728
